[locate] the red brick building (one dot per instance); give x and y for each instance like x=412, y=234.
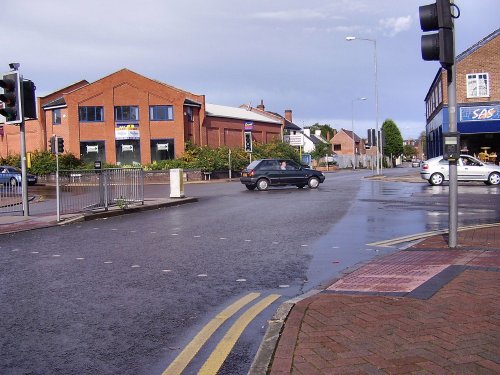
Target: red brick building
x=478, y=101
x=128, y=119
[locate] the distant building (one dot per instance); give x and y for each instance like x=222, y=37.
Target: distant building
x=478, y=101
x=128, y=119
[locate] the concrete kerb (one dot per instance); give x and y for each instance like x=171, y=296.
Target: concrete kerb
x=265, y=353
x=51, y=220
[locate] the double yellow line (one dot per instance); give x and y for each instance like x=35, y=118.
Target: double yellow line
x=218, y=356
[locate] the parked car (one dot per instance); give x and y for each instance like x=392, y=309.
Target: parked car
x=436, y=170
x=415, y=164
x=263, y=173
x=12, y=176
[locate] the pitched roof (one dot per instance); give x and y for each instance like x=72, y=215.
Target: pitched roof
x=55, y=103
x=215, y=110
x=477, y=45
x=350, y=133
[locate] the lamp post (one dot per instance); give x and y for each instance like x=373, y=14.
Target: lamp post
x=352, y=126
x=374, y=41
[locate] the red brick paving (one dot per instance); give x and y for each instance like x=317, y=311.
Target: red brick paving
x=457, y=330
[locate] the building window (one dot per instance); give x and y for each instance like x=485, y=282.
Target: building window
x=337, y=147
x=127, y=113
x=91, y=114
x=91, y=151
x=56, y=116
x=162, y=149
x=161, y=112
x=189, y=114
x=478, y=85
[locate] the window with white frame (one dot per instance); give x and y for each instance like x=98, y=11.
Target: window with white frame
x=478, y=85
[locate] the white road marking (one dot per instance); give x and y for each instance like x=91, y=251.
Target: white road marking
x=241, y=280
x=284, y=286
x=202, y=275
x=135, y=266
x=108, y=262
x=80, y=258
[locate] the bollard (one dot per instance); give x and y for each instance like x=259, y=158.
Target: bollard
x=176, y=183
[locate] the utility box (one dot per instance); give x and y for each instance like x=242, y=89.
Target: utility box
x=176, y=183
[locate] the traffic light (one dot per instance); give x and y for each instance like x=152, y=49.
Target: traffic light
x=12, y=108
x=248, y=142
x=60, y=145
x=29, y=99
x=53, y=144
x=440, y=45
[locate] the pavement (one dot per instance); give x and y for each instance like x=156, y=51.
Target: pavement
x=16, y=222
x=426, y=309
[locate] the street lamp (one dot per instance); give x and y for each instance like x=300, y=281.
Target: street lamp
x=352, y=126
x=374, y=41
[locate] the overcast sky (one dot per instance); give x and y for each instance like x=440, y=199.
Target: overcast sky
x=291, y=54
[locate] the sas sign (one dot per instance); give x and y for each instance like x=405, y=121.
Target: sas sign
x=480, y=113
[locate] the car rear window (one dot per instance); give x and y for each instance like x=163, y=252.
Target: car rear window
x=253, y=164
x=269, y=165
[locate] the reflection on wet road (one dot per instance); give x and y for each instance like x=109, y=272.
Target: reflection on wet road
x=386, y=210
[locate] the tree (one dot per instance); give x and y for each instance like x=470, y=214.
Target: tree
x=409, y=151
x=393, y=144
x=327, y=132
x=321, y=150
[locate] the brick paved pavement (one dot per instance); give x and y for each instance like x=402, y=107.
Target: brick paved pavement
x=425, y=310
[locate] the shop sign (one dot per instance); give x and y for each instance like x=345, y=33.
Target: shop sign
x=480, y=113
x=126, y=148
x=92, y=149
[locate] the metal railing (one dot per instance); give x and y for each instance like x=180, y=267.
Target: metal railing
x=11, y=198
x=84, y=190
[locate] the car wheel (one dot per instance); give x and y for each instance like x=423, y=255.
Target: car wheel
x=300, y=186
x=262, y=184
x=13, y=181
x=494, y=178
x=313, y=182
x=250, y=187
x=436, y=179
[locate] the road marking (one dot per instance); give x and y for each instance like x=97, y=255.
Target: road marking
x=420, y=236
x=220, y=353
x=184, y=357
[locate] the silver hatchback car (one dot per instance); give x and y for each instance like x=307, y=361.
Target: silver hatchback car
x=436, y=171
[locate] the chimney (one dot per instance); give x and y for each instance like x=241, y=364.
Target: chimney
x=307, y=132
x=261, y=105
x=288, y=114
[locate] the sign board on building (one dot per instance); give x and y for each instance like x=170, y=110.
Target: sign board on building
x=480, y=113
x=162, y=146
x=248, y=126
x=296, y=140
x=126, y=132
x=92, y=149
x=126, y=148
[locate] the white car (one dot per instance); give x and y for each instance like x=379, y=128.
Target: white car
x=436, y=170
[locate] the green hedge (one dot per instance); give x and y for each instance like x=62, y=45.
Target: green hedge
x=195, y=157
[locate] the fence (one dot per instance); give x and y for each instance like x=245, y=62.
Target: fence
x=83, y=190
x=11, y=198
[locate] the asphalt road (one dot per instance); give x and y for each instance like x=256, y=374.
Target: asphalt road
x=126, y=294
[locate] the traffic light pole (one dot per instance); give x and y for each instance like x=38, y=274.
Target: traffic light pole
x=453, y=192
x=24, y=174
